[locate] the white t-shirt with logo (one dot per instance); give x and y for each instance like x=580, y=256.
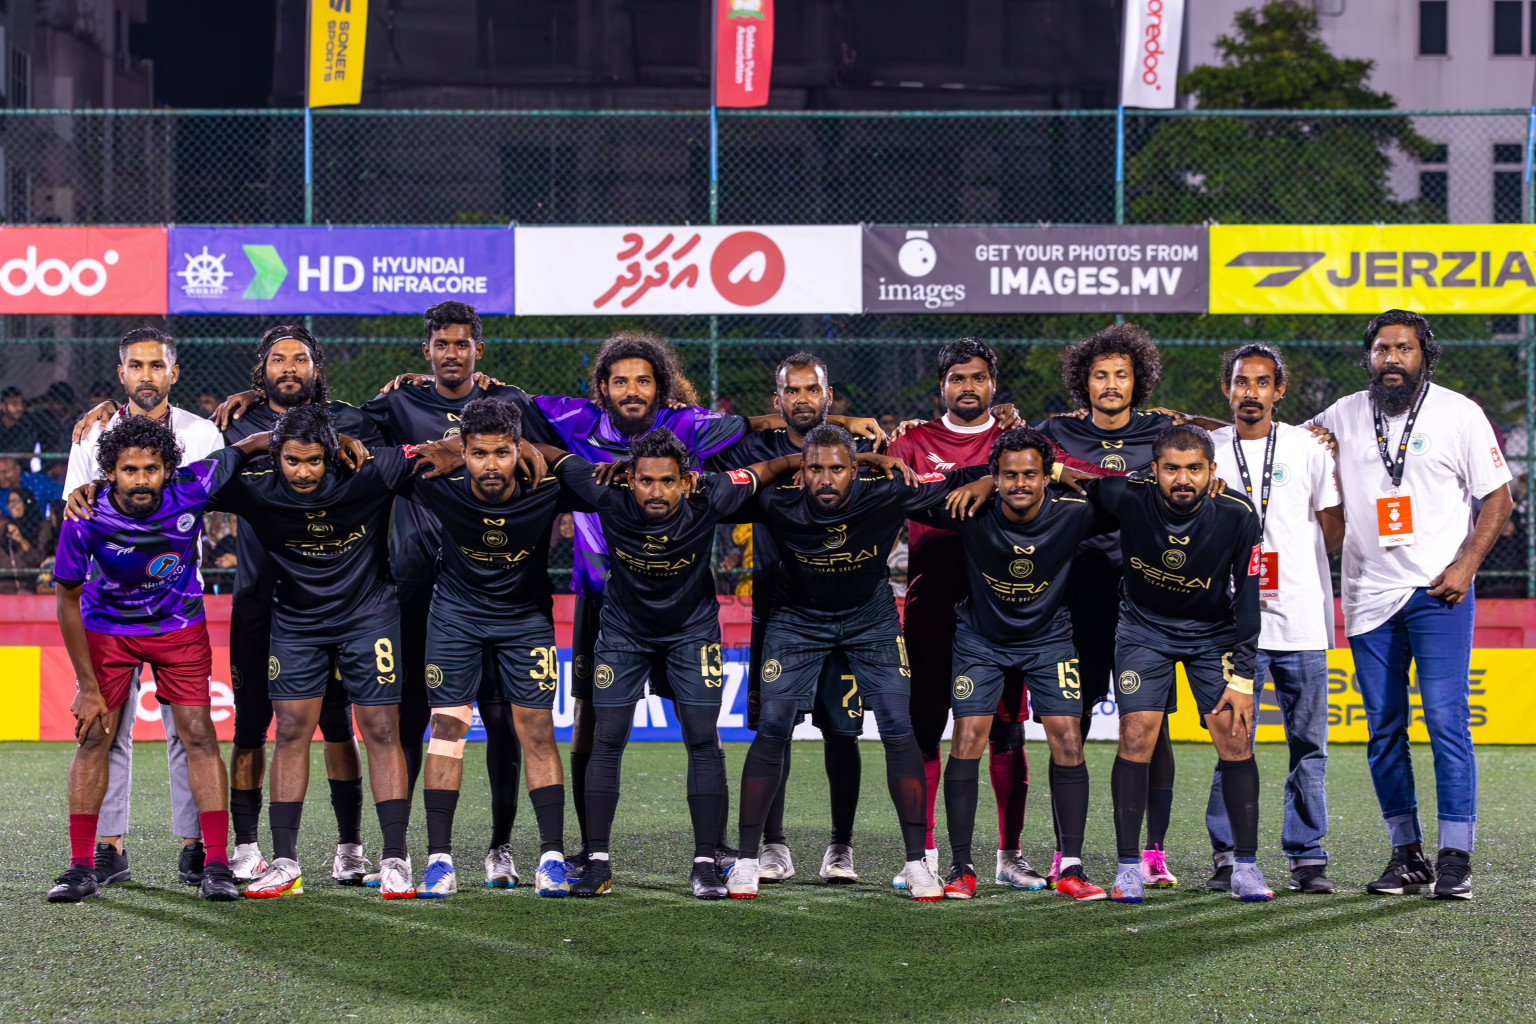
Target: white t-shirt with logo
x=1452, y=461
x=1298, y=614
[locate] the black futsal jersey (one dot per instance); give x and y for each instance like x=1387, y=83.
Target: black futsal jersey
x=1191, y=581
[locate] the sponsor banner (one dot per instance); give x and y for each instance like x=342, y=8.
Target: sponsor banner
x=1035, y=270
x=743, y=52
x=338, y=30
x=1503, y=702
x=1149, y=63
x=582, y=271
x=1431, y=268
x=82, y=270
x=58, y=691
x=338, y=270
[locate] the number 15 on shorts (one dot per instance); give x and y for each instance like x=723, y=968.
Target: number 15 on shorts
x=1068, y=680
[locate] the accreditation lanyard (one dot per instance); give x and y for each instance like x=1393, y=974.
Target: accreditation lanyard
x=1269, y=471
x=1395, y=466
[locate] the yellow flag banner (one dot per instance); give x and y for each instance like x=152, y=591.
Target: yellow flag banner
x=1502, y=700
x=1429, y=268
x=338, y=30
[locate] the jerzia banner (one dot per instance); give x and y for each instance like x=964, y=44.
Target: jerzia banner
x=1035, y=270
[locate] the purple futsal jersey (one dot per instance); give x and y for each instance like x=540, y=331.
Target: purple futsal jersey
x=140, y=575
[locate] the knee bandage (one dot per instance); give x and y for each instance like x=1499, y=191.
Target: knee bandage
x=450, y=748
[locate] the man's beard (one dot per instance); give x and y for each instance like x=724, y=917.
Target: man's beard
x=137, y=399
x=803, y=421
x=1394, y=399
x=968, y=414
x=627, y=424
x=1183, y=502
x=290, y=399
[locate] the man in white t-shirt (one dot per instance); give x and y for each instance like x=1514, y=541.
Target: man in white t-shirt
x=147, y=369
x=1289, y=479
x=1414, y=462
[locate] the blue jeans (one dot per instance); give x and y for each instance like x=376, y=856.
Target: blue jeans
x=1437, y=639
x=1301, y=685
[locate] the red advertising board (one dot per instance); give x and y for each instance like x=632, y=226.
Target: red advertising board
x=743, y=52
x=82, y=270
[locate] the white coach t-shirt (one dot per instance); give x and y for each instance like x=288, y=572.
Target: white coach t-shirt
x=198, y=436
x=1453, y=460
x=1297, y=614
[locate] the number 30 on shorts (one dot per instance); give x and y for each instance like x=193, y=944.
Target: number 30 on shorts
x=710, y=665
x=546, y=667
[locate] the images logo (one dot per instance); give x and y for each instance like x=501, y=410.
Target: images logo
x=917, y=256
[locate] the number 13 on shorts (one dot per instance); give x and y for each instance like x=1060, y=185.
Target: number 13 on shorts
x=710, y=665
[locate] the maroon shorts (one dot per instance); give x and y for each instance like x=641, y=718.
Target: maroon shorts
x=181, y=660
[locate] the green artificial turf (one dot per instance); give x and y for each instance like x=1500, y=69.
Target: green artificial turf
x=151, y=951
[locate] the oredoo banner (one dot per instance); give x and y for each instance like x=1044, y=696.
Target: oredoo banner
x=338, y=270
x=1035, y=270
x=82, y=270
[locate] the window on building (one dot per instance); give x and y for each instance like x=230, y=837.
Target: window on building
x=1432, y=28
x=1508, y=153
x=1508, y=183
x=1507, y=37
x=1435, y=184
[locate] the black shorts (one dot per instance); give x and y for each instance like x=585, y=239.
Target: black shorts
x=300, y=668
x=980, y=669
x=686, y=672
x=839, y=708
x=1144, y=676
x=584, y=632
x=797, y=648
x=526, y=664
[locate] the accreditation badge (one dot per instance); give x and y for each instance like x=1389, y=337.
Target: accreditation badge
x=1394, y=520
x=1269, y=573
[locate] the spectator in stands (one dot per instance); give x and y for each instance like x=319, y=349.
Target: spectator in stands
x=207, y=402
x=21, y=552
x=219, y=532
x=57, y=416
x=18, y=428
x=42, y=486
x=100, y=392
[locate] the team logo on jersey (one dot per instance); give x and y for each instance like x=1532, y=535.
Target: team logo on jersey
x=654, y=545
x=1418, y=444
x=1280, y=475
x=163, y=565
x=1114, y=461
x=494, y=539
x=1021, y=567
x=184, y=523
x=604, y=677
x=772, y=670
x=434, y=676
x=582, y=666
x=234, y=677
x=964, y=687
x=320, y=529
x=273, y=667
x=1173, y=559
x=451, y=432
x=1130, y=682
x=938, y=461
x=836, y=537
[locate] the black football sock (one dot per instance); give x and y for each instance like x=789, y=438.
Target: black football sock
x=347, y=802
x=960, y=783
x=580, y=760
x=723, y=842
x=1240, y=793
x=1069, y=795
x=908, y=783
x=762, y=771
x=773, y=828
x=845, y=769
x=706, y=776
x=549, y=811
x=503, y=764
x=394, y=816
x=609, y=737
x=283, y=819
x=1055, y=810
x=245, y=813
x=1160, y=789
x=1128, y=785
x=441, y=805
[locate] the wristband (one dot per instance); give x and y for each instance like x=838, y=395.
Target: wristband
x=1240, y=684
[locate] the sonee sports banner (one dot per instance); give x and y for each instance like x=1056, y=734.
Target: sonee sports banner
x=1430, y=268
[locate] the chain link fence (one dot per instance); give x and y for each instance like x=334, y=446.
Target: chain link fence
x=1014, y=167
